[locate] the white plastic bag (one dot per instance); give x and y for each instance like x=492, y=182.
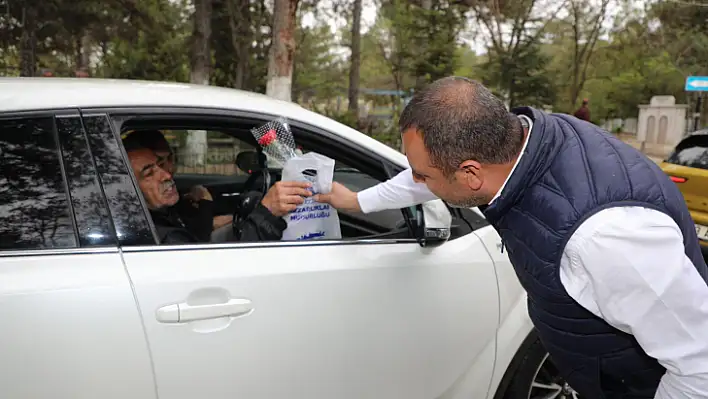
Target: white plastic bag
x=312, y=220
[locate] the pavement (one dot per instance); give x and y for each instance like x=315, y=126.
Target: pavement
x=656, y=153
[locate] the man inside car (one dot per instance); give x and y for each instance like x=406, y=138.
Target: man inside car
x=263, y=223
x=196, y=208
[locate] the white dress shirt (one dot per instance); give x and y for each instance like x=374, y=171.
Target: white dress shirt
x=627, y=265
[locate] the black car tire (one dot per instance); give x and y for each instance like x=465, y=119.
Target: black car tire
x=531, y=365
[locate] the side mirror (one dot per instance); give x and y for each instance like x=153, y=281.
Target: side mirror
x=250, y=161
x=247, y=161
x=433, y=223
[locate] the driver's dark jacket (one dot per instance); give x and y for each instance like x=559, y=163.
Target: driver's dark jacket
x=174, y=228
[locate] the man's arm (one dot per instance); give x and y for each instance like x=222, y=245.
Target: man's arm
x=398, y=192
x=265, y=222
x=628, y=266
x=261, y=225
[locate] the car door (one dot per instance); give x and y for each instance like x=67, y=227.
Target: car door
x=372, y=318
x=71, y=325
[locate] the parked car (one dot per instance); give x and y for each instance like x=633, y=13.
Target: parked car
x=412, y=303
x=687, y=165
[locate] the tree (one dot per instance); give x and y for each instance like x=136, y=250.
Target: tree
x=280, y=59
x=526, y=21
x=585, y=22
x=239, y=13
x=355, y=59
x=318, y=74
x=240, y=42
x=423, y=38
x=197, y=144
x=28, y=40
x=201, y=38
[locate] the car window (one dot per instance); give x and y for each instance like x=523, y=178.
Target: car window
x=691, y=152
x=34, y=204
x=210, y=153
x=130, y=221
x=211, y=161
x=356, y=180
x=90, y=209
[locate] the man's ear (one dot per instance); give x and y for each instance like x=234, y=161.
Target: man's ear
x=470, y=173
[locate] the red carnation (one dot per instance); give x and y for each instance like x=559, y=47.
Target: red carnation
x=268, y=138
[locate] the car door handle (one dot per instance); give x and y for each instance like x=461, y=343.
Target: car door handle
x=184, y=312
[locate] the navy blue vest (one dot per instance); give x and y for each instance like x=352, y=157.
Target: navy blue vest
x=570, y=170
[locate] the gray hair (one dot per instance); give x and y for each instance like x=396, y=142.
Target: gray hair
x=462, y=120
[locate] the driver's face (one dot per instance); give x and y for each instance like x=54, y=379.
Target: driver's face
x=155, y=182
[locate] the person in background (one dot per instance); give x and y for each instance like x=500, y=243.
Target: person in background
x=600, y=238
x=583, y=112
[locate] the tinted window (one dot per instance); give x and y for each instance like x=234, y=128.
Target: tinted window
x=90, y=210
x=691, y=152
x=130, y=221
x=34, y=206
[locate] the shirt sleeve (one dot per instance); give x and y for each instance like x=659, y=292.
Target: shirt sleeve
x=628, y=266
x=400, y=191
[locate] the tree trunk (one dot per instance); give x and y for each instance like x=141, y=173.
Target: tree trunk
x=201, y=62
x=83, y=54
x=241, y=38
x=28, y=41
x=427, y=5
x=201, y=54
x=355, y=60
x=282, y=50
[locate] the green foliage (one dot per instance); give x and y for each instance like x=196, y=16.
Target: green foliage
x=423, y=42
x=343, y=117
x=318, y=72
x=521, y=78
x=529, y=62
x=149, y=57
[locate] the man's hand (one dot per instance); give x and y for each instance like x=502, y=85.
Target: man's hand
x=340, y=198
x=285, y=196
x=222, y=220
x=198, y=193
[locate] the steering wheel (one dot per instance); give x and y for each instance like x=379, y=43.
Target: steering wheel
x=252, y=193
x=261, y=176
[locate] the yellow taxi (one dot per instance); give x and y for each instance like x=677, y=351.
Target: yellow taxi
x=687, y=166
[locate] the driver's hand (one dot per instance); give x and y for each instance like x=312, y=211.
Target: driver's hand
x=198, y=193
x=285, y=196
x=340, y=198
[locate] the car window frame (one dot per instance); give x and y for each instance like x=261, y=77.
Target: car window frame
x=52, y=114
x=110, y=239
x=118, y=116
x=145, y=221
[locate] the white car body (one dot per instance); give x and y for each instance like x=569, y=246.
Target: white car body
x=317, y=319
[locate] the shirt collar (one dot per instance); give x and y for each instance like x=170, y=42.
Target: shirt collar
x=525, y=121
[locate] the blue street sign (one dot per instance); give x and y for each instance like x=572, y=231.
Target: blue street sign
x=697, y=83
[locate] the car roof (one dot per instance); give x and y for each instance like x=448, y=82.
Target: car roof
x=29, y=94
x=22, y=94
x=700, y=132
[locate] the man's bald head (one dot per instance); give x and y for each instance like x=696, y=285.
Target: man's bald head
x=460, y=119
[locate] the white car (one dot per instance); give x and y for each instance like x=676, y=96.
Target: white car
x=412, y=303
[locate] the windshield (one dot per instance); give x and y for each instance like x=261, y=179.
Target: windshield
x=691, y=152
